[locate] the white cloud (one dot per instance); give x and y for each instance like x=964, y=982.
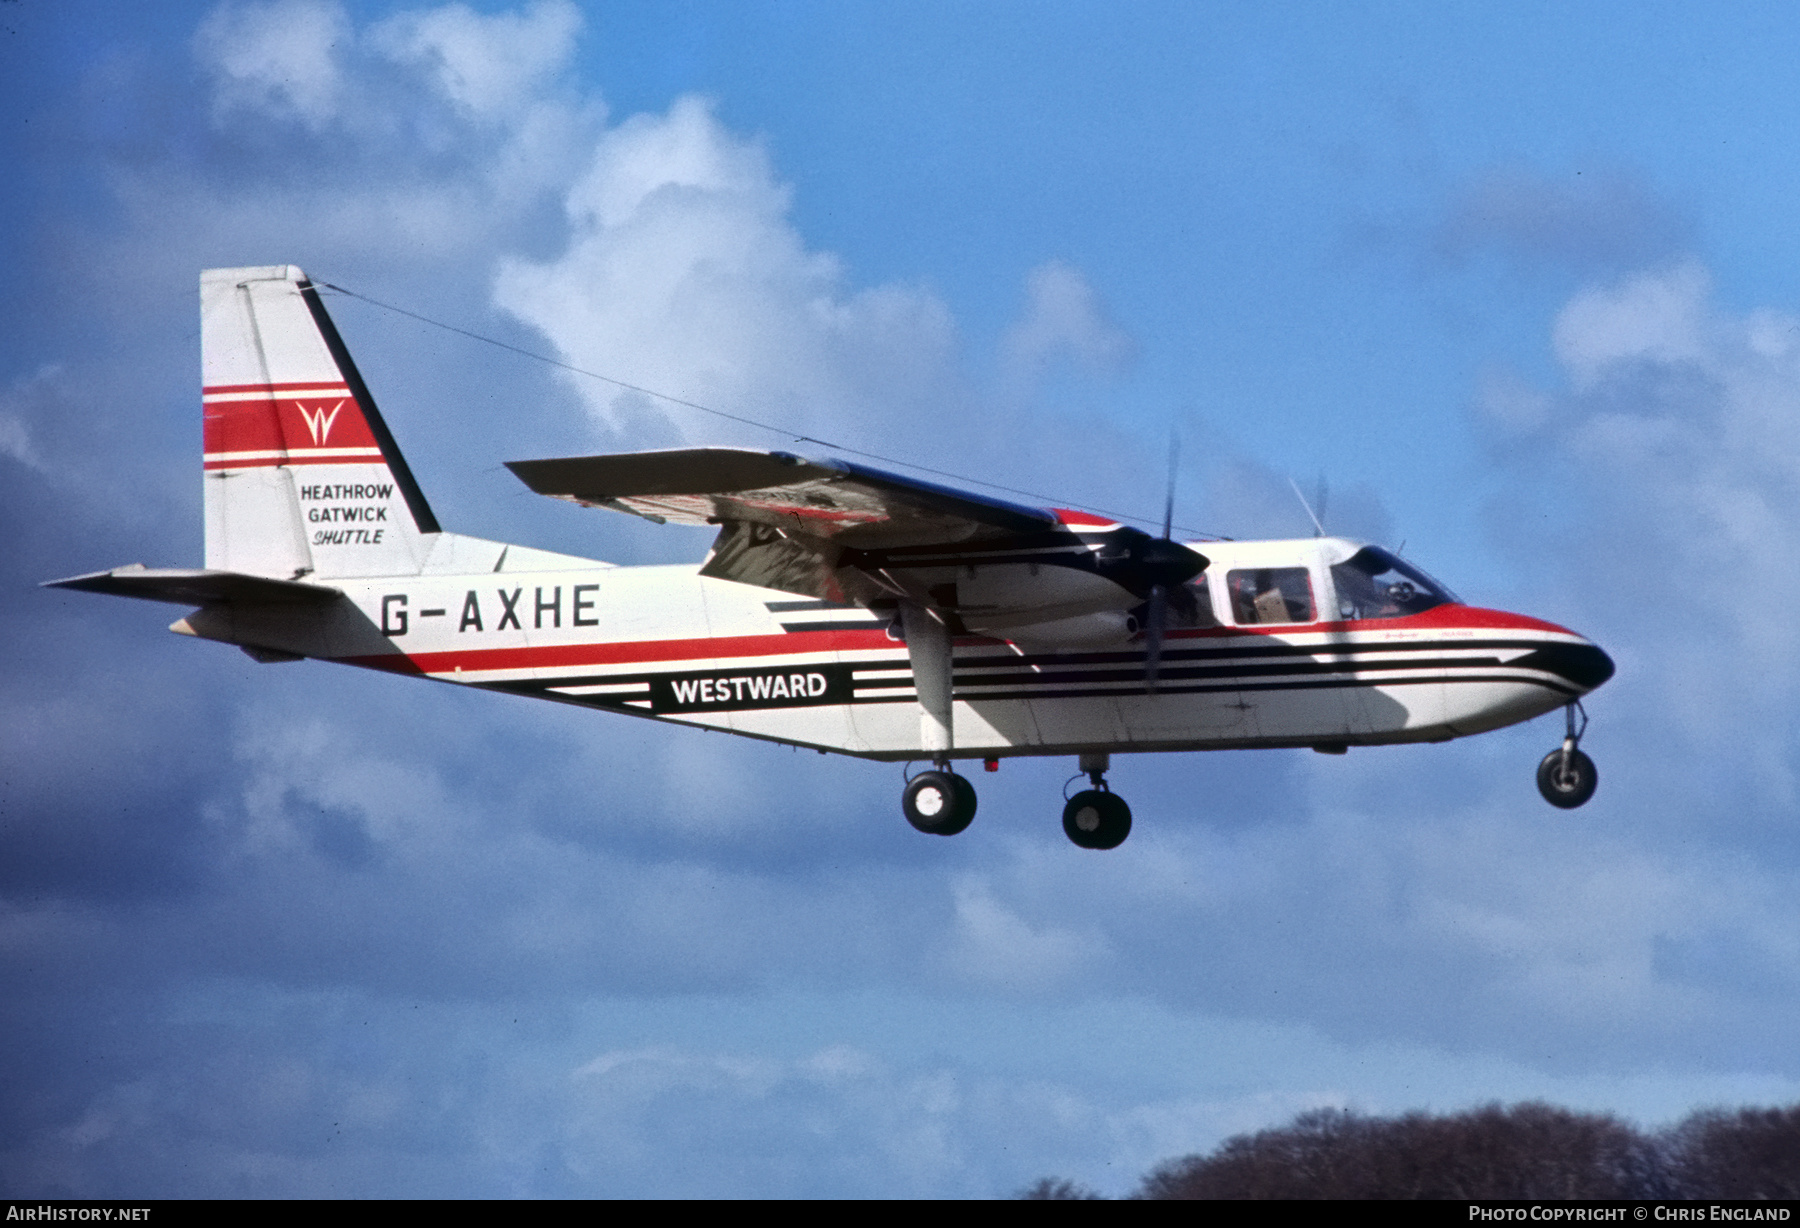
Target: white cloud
x=434, y=139
x=1657, y=318
x=1680, y=433
x=685, y=276
x=993, y=945
x=281, y=57
x=485, y=65
x=17, y=404
x=441, y=135
x=15, y=441
x=1063, y=319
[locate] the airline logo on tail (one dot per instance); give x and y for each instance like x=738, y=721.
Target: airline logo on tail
x=247, y=425
x=318, y=422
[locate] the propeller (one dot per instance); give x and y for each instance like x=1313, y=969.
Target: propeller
x=1170, y=565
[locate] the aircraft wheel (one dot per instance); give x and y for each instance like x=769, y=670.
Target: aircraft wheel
x=1567, y=787
x=1097, y=820
x=939, y=803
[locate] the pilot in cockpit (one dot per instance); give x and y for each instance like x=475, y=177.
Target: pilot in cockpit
x=1376, y=584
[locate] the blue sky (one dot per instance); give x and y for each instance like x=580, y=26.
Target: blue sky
x=1517, y=280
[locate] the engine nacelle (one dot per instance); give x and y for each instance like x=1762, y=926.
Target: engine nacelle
x=1104, y=629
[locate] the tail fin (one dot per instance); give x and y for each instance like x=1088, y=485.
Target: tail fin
x=302, y=476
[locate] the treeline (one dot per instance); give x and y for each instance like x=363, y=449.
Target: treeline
x=1533, y=1151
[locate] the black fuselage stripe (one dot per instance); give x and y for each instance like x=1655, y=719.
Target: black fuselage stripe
x=1049, y=677
x=1264, y=651
x=1044, y=671
x=1138, y=688
x=1116, y=691
x=1092, y=686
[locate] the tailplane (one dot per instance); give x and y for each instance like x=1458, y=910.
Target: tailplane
x=302, y=477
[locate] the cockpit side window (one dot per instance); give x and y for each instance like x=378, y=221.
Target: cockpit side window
x=1270, y=595
x=1374, y=584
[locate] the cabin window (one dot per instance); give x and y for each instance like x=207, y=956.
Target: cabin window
x=1375, y=584
x=1270, y=595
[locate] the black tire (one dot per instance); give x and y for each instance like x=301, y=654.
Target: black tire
x=1569, y=788
x=939, y=803
x=1094, y=819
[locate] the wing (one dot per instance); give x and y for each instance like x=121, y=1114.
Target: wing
x=800, y=526
x=835, y=500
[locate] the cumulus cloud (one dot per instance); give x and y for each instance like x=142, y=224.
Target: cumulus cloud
x=16, y=405
x=281, y=57
x=684, y=275
x=430, y=137
x=1657, y=320
x=993, y=945
x=1063, y=319
x=485, y=64
x=1678, y=431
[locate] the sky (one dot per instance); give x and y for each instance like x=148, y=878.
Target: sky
x=1516, y=282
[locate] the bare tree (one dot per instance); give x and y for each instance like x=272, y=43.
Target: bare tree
x=1527, y=1151
x=1058, y=1190
x=1750, y=1153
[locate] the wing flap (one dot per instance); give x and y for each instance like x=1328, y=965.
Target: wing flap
x=198, y=586
x=765, y=557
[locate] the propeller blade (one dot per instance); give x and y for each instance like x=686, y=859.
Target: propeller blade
x=1169, y=490
x=1168, y=560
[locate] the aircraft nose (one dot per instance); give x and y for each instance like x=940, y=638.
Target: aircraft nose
x=1584, y=665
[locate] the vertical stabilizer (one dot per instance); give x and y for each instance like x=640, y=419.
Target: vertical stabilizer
x=302, y=476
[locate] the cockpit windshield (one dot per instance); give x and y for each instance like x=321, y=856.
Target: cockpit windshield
x=1375, y=584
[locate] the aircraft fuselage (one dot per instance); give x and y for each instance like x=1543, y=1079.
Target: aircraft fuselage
x=667, y=643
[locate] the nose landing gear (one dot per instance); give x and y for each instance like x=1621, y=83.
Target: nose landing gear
x=1097, y=818
x=1567, y=778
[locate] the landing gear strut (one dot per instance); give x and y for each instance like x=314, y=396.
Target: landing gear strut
x=939, y=802
x=1097, y=818
x=1567, y=777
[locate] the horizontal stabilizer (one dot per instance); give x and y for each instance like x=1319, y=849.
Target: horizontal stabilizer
x=196, y=586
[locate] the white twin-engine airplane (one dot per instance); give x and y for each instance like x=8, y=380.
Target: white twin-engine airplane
x=841, y=608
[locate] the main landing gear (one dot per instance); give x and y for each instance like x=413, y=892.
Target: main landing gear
x=1097, y=818
x=938, y=802
x=1567, y=777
